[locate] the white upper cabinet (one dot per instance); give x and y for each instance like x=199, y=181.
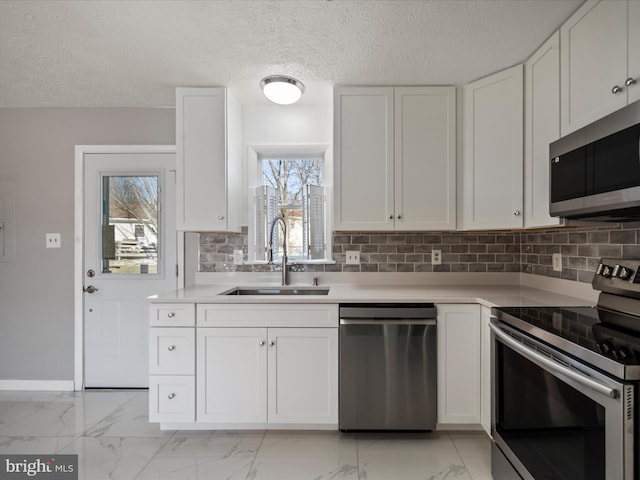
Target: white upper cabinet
x=633, y=52
x=394, y=158
x=541, y=127
x=208, y=128
x=363, y=158
x=492, y=163
x=600, y=45
x=425, y=158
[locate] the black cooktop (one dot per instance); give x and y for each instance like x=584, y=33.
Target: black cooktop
x=606, y=339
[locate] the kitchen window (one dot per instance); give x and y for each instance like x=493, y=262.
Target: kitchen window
x=292, y=186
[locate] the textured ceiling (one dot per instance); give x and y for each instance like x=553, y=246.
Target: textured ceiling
x=134, y=53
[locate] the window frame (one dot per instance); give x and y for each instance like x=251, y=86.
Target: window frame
x=255, y=156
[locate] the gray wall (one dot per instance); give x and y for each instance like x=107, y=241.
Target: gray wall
x=37, y=154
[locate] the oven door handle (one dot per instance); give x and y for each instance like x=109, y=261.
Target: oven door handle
x=552, y=365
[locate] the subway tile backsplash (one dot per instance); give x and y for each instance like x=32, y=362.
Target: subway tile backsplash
x=527, y=251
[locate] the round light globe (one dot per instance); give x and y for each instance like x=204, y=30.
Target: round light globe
x=281, y=89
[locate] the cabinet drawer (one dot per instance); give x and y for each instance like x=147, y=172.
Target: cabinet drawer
x=172, y=351
x=267, y=315
x=172, y=314
x=172, y=398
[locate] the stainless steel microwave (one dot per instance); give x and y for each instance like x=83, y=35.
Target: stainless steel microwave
x=595, y=171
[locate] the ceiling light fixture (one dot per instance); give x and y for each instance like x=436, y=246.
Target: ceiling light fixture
x=282, y=89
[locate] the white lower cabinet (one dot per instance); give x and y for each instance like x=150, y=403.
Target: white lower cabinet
x=232, y=375
x=303, y=375
x=243, y=365
x=267, y=375
x=172, y=389
x=172, y=398
x=459, y=400
x=485, y=370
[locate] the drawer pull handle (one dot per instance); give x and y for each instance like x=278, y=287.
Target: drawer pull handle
x=171, y=348
x=261, y=343
x=171, y=396
x=171, y=315
x=272, y=343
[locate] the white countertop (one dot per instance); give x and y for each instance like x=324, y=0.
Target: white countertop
x=488, y=295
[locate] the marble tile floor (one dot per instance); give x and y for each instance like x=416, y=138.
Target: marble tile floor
x=110, y=432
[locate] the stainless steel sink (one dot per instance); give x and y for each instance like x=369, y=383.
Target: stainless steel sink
x=277, y=291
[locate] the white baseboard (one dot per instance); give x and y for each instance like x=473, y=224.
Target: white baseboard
x=38, y=385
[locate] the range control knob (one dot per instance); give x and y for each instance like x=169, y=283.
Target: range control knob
x=623, y=273
x=604, y=270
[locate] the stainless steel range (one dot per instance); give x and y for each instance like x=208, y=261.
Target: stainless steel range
x=565, y=385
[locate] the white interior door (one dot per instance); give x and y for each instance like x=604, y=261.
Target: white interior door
x=129, y=254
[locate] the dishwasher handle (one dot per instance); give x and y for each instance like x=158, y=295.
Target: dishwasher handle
x=388, y=321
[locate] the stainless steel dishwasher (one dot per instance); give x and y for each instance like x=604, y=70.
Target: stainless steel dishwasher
x=388, y=365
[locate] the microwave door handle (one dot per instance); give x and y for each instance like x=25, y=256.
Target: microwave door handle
x=552, y=365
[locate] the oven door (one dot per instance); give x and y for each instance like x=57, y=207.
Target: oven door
x=554, y=417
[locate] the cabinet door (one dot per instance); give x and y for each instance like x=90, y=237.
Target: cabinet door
x=232, y=375
x=541, y=127
x=485, y=371
x=363, y=158
x=492, y=151
x=633, y=51
x=303, y=375
x=172, y=351
x=172, y=398
x=459, y=364
x=425, y=154
x=201, y=159
x=594, y=59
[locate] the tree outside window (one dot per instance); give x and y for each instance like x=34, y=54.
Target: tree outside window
x=292, y=180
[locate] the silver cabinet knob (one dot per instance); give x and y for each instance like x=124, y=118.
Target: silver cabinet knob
x=171, y=315
x=220, y=217
x=272, y=343
x=90, y=289
x=261, y=343
x=616, y=89
x=517, y=213
x=171, y=348
x=630, y=81
x=171, y=396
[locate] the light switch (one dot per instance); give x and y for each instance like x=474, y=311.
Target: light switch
x=53, y=240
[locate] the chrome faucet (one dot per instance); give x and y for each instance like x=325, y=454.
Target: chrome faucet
x=285, y=275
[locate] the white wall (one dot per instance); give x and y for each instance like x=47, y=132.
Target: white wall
x=36, y=290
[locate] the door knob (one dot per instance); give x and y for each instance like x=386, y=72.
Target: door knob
x=616, y=89
x=630, y=81
x=90, y=289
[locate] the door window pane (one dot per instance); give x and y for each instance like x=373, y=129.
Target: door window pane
x=130, y=239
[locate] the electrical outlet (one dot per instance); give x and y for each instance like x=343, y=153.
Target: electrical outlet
x=238, y=257
x=53, y=240
x=353, y=257
x=556, y=260
x=436, y=257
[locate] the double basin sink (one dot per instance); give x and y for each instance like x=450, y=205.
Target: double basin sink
x=270, y=291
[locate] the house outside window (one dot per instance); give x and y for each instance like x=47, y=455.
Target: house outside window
x=292, y=186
